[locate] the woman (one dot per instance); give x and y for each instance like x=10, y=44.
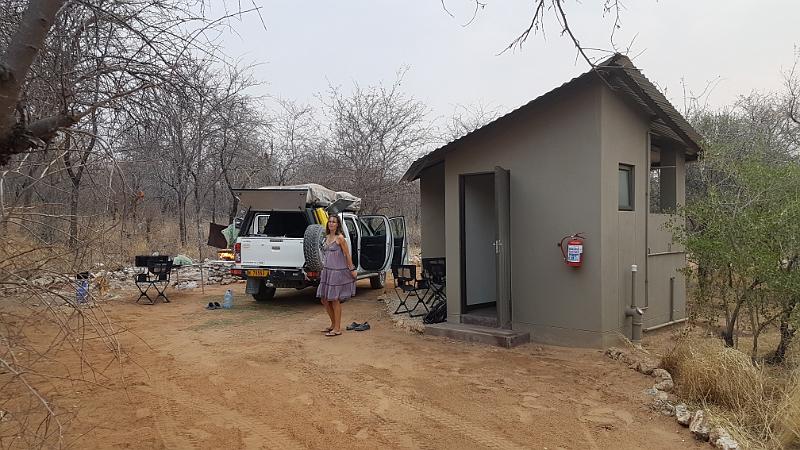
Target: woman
x=337, y=281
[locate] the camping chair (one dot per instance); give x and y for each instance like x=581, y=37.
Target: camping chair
x=156, y=276
x=407, y=286
x=433, y=270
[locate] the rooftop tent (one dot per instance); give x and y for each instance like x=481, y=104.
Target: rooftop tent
x=293, y=198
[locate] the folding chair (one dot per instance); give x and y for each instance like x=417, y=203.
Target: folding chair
x=407, y=286
x=156, y=276
x=433, y=270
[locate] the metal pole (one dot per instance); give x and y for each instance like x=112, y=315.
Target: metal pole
x=634, y=312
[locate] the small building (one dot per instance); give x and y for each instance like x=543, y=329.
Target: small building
x=603, y=155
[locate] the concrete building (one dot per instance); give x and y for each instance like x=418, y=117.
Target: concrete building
x=604, y=155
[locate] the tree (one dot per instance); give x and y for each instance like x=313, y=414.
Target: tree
x=374, y=133
x=468, y=118
x=77, y=50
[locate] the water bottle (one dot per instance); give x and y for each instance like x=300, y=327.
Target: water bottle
x=227, y=303
x=82, y=288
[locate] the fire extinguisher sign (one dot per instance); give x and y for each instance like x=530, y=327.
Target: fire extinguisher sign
x=574, y=253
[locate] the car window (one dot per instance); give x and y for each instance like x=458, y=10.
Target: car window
x=365, y=231
x=260, y=223
x=350, y=224
x=376, y=226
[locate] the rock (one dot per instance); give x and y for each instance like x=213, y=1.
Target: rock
x=682, y=414
x=699, y=426
x=726, y=443
x=653, y=392
x=646, y=366
x=187, y=285
x=665, y=385
x=664, y=407
x=661, y=374
x=720, y=438
x=43, y=281
x=665, y=382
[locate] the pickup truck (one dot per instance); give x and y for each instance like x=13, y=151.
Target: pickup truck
x=281, y=235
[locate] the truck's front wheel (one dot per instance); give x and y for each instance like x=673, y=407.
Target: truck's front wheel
x=265, y=293
x=378, y=281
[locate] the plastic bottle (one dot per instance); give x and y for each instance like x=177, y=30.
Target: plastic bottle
x=82, y=288
x=227, y=302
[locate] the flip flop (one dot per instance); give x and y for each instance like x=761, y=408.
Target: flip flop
x=217, y=305
x=353, y=326
x=327, y=330
x=210, y=306
x=333, y=333
x=363, y=327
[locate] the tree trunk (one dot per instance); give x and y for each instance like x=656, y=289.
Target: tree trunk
x=214, y=203
x=234, y=209
x=728, y=334
x=15, y=64
x=755, y=326
x=73, y=217
x=182, y=219
x=787, y=334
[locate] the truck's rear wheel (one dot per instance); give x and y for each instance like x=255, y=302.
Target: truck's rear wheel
x=265, y=293
x=378, y=281
x=313, y=239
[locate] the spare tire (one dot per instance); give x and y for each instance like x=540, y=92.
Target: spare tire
x=313, y=240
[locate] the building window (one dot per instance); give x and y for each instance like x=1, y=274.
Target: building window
x=663, y=186
x=625, y=187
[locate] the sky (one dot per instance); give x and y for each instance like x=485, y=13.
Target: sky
x=303, y=47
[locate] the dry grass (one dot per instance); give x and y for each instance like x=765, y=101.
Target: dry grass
x=761, y=405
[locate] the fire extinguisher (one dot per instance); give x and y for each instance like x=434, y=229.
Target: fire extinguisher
x=573, y=251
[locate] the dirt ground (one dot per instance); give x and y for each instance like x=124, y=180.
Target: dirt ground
x=263, y=376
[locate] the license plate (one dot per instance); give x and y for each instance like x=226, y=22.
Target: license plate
x=258, y=273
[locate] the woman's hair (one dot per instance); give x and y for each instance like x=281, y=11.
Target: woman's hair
x=338, y=226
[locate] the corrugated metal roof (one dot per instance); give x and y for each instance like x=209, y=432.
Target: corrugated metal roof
x=621, y=76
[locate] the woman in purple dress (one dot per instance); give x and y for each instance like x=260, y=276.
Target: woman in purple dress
x=337, y=281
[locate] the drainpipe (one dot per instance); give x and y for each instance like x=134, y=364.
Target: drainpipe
x=671, y=299
x=634, y=312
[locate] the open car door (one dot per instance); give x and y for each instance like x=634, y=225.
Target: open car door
x=400, y=242
x=377, y=243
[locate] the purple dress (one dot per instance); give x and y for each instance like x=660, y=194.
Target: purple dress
x=335, y=282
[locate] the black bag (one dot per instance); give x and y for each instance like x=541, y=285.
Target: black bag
x=437, y=314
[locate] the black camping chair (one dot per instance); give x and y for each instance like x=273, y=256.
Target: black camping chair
x=156, y=272
x=406, y=285
x=433, y=270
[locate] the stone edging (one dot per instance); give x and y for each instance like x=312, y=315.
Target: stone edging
x=698, y=422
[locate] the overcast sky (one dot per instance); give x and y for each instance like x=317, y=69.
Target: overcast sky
x=307, y=45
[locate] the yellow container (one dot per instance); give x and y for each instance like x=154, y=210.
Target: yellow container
x=322, y=216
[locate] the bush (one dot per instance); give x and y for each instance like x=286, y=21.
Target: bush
x=763, y=405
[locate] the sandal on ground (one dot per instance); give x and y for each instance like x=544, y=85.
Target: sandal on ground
x=210, y=306
x=333, y=333
x=363, y=327
x=353, y=326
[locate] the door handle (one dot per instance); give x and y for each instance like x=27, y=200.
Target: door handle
x=497, y=244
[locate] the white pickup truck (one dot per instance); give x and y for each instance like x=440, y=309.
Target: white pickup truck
x=281, y=235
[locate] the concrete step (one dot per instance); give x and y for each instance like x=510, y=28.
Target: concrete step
x=480, y=320
x=476, y=333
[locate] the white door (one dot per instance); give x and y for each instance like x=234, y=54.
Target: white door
x=377, y=247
